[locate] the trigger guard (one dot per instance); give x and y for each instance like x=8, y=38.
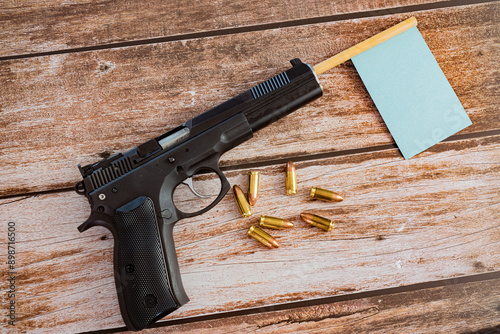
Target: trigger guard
x=225, y=186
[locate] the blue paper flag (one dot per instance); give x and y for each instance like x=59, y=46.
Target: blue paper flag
x=411, y=92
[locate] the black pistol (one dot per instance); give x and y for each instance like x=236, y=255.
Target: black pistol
x=133, y=193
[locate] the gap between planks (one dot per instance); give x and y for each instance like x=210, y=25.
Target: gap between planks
x=257, y=27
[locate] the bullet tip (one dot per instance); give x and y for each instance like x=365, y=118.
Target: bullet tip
x=252, y=199
x=307, y=217
x=274, y=243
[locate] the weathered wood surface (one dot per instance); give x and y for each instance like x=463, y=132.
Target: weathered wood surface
x=460, y=308
x=60, y=110
x=433, y=217
x=42, y=26
x=402, y=222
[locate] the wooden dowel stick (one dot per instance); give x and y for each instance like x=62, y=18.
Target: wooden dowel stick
x=365, y=45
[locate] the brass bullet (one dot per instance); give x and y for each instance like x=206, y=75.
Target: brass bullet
x=324, y=223
x=253, y=187
x=241, y=200
x=274, y=223
x=291, y=179
x=325, y=195
x=262, y=236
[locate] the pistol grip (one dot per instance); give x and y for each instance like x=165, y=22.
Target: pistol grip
x=147, y=288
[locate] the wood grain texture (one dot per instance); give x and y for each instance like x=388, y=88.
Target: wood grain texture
x=61, y=110
x=41, y=26
x=402, y=222
x=461, y=308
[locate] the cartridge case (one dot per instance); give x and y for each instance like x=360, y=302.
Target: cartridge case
x=253, y=187
x=318, y=221
x=262, y=237
x=291, y=179
x=241, y=201
x=325, y=195
x=275, y=223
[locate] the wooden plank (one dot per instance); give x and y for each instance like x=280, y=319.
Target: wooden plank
x=402, y=222
x=34, y=26
x=61, y=110
x=460, y=308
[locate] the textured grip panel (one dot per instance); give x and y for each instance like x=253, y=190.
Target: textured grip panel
x=141, y=275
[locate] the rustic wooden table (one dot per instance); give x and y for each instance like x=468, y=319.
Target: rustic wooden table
x=416, y=246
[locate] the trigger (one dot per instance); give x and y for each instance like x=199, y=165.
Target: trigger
x=189, y=183
x=95, y=219
x=86, y=225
